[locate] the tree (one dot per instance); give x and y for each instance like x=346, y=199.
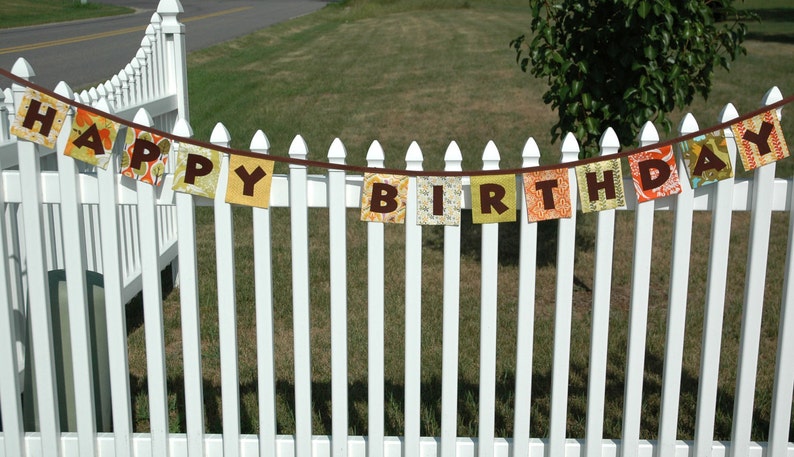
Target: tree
x=620, y=63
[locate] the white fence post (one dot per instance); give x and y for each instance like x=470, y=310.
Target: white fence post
x=175, y=51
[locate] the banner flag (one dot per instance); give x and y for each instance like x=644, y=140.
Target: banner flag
x=197, y=170
x=249, y=181
x=383, y=198
x=707, y=159
x=547, y=194
x=438, y=200
x=145, y=156
x=493, y=199
x=91, y=139
x=600, y=185
x=760, y=140
x=39, y=118
x=654, y=173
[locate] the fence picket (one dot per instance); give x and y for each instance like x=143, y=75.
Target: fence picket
x=562, y=314
x=602, y=287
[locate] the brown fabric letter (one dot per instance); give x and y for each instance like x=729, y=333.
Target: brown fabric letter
x=143, y=151
x=491, y=196
x=546, y=188
x=196, y=166
x=647, y=179
x=90, y=139
x=46, y=119
x=384, y=198
x=608, y=184
x=707, y=161
x=761, y=139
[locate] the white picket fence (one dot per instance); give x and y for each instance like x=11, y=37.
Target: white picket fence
x=101, y=205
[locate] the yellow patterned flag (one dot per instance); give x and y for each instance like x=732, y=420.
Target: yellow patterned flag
x=91, y=139
x=197, y=170
x=383, y=198
x=39, y=118
x=145, y=156
x=706, y=158
x=249, y=181
x=493, y=199
x=760, y=140
x=600, y=185
x=548, y=194
x=438, y=200
x=654, y=173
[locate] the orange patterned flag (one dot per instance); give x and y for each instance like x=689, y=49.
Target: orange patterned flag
x=145, y=156
x=654, y=173
x=548, y=195
x=383, y=198
x=600, y=185
x=249, y=181
x=438, y=200
x=493, y=199
x=39, y=118
x=91, y=139
x=760, y=140
x=197, y=170
x=707, y=159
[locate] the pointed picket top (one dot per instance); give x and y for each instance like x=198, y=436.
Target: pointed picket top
x=337, y=152
x=63, y=89
x=135, y=65
x=150, y=31
x=453, y=158
x=129, y=69
x=773, y=95
x=23, y=69
x=114, y=83
x=413, y=157
x=143, y=117
x=110, y=91
x=530, y=154
x=569, y=148
x=609, y=142
x=8, y=95
x=103, y=105
x=648, y=134
x=375, y=155
x=220, y=135
x=298, y=149
x=259, y=143
x=490, y=157
x=688, y=124
x=170, y=7
x=91, y=95
x=182, y=128
x=123, y=78
x=156, y=20
x=728, y=114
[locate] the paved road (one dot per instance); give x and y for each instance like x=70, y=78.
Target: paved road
x=86, y=52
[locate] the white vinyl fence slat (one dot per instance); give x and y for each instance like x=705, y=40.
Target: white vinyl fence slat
x=77, y=292
x=638, y=313
x=558, y=417
x=301, y=309
x=38, y=287
x=526, y=312
x=489, y=255
x=451, y=303
x=337, y=228
x=375, y=332
x=152, y=310
x=190, y=313
x=715, y=299
x=413, y=309
x=227, y=303
x=602, y=288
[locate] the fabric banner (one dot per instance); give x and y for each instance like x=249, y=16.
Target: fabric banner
x=548, y=195
x=438, y=200
x=249, y=181
x=91, y=139
x=601, y=185
x=493, y=199
x=39, y=118
x=654, y=173
x=707, y=159
x=145, y=156
x=760, y=140
x=383, y=198
x=197, y=170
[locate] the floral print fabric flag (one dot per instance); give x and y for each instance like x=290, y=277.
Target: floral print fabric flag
x=91, y=139
x=654, y=173
x=249, y=181
x=145, y=156
x=383, y=198
x=547, y=194
x=601, y=185
x=707, y=159
x=39, y=118
x=760, y=140
x=438, y=200
x=197, y=170
x=493, y=199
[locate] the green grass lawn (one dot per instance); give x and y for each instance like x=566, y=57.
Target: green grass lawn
x=435, y=71
x=18, y=13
